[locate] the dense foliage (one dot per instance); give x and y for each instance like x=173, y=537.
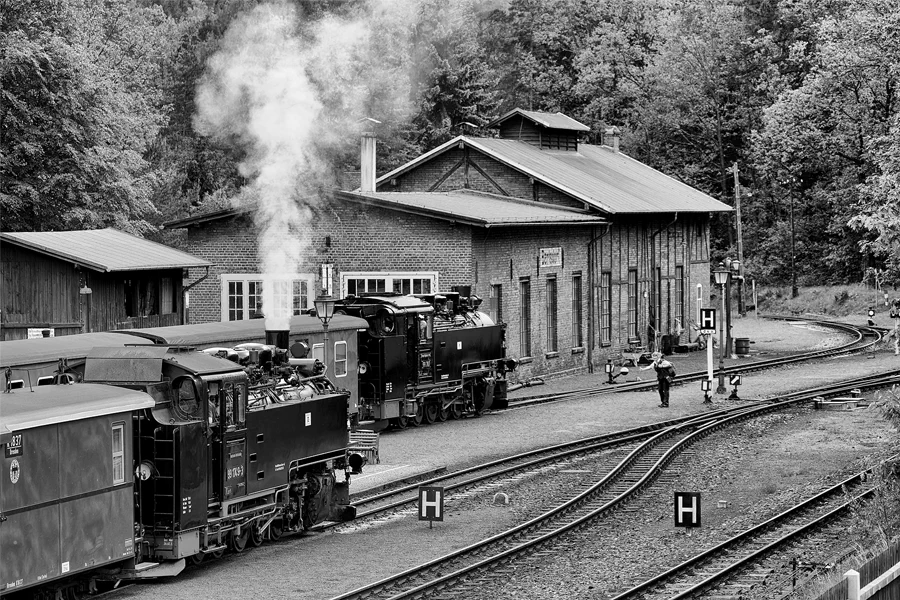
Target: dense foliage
x=100, y=123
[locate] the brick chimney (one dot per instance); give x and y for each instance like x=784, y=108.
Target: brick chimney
x=367, y=163
x=611, y=138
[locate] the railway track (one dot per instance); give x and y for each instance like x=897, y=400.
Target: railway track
x=755, y=559
x=862, y=339
x=647, y=451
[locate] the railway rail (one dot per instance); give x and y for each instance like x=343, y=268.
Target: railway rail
x=748, y=561
x=648, y=452
x=863, y=339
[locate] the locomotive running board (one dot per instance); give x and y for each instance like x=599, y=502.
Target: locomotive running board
x=150, y=570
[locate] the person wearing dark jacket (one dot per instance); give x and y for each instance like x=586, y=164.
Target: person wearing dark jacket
x=665, y=374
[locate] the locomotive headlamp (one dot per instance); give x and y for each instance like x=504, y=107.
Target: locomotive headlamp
x=511, y=364
x=362, y=367
x=609, y=365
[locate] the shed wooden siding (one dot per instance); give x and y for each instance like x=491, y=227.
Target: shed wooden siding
x=42, y=292
x=525, y=130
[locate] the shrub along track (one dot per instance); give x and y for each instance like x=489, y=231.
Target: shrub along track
x=458, y=573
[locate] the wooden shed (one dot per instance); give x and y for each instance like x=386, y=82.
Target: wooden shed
x=64, y=282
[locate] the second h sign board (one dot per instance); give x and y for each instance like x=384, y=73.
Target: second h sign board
x=707, y=319
x=687, y=509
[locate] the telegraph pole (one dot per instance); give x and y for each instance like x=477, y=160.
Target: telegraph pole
x=742, y=309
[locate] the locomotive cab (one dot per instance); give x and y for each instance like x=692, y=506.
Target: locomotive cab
x=427, y=358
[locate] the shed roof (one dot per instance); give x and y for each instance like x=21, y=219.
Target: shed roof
x=478, y=209
x=603, y=178
x=104, y=250
x=49, y=404
x=549, y=120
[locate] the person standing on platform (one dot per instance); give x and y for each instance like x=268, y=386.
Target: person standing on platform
x=665, y=374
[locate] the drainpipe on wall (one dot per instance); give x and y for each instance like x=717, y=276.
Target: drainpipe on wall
x=184, y=298
x=591, y=267
x=653, y=282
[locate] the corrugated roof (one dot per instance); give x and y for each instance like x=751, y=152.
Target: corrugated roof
x=104, y=250
x=549, y=120
x=607, y=180
x=477, y=208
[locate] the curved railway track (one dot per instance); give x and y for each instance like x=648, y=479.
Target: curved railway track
x=862, y=339
x=647, y=452
x=748, y=561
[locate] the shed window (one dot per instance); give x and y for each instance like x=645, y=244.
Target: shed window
x=118, y=452
x=606, y=307
x=577, y=339
x=379, y=282
x=632, y=304
x=525, y=317
x=242, y=295
x=552, y=345
x=495, y=309
x=340, y=359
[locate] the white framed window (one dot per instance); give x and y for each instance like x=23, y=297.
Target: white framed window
x=244, y=295
x=118, y=452
x=377, y=282
x=340, y=359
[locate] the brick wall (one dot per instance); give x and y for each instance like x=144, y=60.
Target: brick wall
x=362, y=238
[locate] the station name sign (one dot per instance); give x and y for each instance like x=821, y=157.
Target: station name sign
x=550, y=257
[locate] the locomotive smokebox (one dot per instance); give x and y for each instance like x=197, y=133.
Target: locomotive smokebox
x=278, y=338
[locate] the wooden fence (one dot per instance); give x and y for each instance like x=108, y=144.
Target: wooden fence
x=877, y=579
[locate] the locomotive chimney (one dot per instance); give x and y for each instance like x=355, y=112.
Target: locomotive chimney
x=278, y=338
x=367, y=162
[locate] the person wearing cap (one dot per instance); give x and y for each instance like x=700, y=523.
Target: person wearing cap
x=665, y=374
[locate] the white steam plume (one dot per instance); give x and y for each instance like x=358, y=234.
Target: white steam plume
x=288, y=93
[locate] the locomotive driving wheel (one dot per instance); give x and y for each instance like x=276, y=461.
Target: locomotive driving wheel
x=420, y=416
x=275, y=530
x=443, y=413
x=238, y=541
x=432, y=412
x=456, y=411
x=256, y=536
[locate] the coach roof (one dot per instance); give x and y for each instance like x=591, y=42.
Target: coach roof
x=104, y=250
x=49, y=404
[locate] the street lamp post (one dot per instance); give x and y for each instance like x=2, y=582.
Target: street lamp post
x=325, y=310
x=721, y=274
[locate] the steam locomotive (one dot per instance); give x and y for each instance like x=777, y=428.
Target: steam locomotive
x=179, y=456
x=427, y=358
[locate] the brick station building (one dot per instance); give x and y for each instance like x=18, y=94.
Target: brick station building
x=583, y=251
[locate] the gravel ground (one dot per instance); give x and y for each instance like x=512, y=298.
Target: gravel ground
x=758, y=468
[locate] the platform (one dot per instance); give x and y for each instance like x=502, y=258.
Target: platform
x=376, y=477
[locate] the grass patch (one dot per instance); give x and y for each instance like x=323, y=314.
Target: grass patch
x=839, y=300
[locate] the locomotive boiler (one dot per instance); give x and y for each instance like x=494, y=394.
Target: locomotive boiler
x=427, y=358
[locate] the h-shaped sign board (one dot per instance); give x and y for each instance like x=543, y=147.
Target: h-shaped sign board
x=707, y=319
x=687, y=509
x=431, y=503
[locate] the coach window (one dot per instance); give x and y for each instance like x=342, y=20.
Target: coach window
x=118, y=452
x=340, y=359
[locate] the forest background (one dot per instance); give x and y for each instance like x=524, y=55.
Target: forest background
x=108, y=109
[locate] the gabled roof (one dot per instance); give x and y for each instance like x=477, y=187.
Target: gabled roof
x=548, y=120
x=607, y=180
x=104, y=250
x=478, y=209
